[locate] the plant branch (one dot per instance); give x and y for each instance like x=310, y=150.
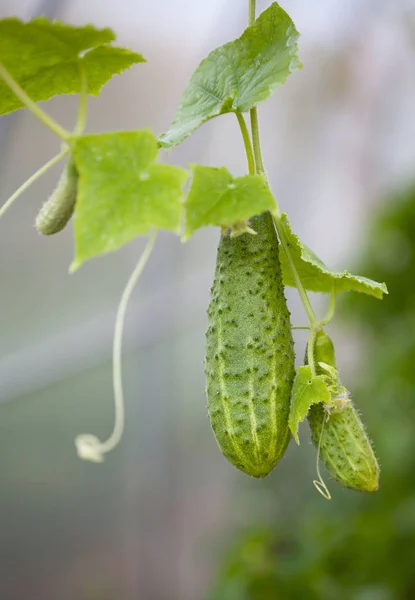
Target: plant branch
x=256, y=142
x=32, y=106
x=253, y=112
x=247, y=142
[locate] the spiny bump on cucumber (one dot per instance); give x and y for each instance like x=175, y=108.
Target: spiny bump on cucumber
x=249, y=351
x=344, y=445
x=58, y=209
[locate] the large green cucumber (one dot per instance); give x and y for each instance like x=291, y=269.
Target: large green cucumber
x=344, y=447
x=249, y=351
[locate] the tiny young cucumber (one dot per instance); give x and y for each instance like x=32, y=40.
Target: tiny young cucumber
x=344, y=445
x=58, y=209
x=249, y=351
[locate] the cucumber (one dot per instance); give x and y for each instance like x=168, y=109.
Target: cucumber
x=344, y=445
x=250, y=351
x=324, y=351
x=58, y=209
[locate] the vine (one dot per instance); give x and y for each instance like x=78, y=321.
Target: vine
x=120, y=190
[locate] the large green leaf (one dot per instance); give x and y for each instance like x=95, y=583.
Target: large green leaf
x=44, y=58
x=307, y=390
x=314, y=274
x=238, y=75
x=216, y=198
x=122, y=191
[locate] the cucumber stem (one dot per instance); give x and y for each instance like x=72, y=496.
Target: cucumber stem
x=247, y=142
x=310, y=349
x=259, y=168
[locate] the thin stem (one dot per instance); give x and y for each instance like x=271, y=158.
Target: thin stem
x=307, y=327
x=310, y=350
x=247, y=142
x=88, y=446
x=117, y=348
x=252, y=9
x=259, y=168
x=253, y=112
x=32, y=106
x=83, y=99
x=256, y=142
x=32, y=179
x=331, y=309
x=319, y=483
x=299, y=285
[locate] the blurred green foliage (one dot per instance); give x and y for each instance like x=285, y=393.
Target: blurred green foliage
x=358, y=547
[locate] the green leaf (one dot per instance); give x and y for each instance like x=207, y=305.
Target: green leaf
x=122, y=191
x=216, y=198
x=307, y=390
x=45, y=57
x=238, y=75
x=314, y=274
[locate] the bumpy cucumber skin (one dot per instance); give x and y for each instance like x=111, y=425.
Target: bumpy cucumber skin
x=58, y=209
x=250, y=351
x=345, y=447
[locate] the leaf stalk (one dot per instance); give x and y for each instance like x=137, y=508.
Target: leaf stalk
x=32, y=106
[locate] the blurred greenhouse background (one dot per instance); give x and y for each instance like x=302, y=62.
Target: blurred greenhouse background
x=166, y=517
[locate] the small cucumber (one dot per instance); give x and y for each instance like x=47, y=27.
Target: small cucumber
x=249, y=351
x=344, y=445
x=324, y=351
x=58, y=209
